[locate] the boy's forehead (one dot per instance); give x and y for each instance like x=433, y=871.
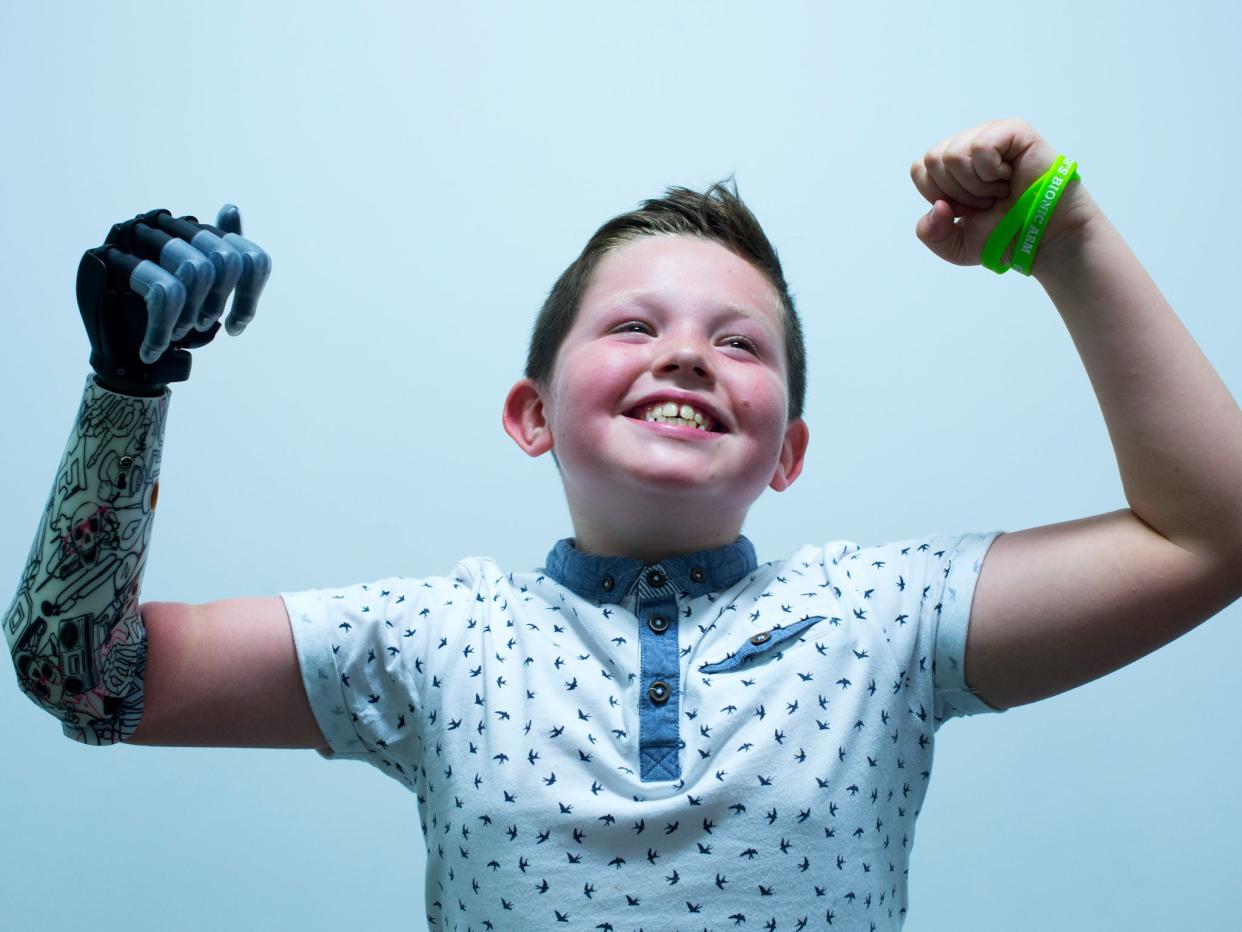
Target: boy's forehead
x=680, y=269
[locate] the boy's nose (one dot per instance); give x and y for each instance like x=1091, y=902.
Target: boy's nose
x=685, y=358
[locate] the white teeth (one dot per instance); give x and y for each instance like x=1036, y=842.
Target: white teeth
x=680, y=422
x=683, y=415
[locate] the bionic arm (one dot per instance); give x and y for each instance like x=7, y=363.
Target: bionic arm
x=154, y=290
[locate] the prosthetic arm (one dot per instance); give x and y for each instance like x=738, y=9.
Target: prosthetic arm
x=153, y=291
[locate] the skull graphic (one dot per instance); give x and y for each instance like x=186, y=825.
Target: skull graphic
x=82, y=535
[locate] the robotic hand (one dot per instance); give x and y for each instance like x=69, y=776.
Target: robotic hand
x=156, y=288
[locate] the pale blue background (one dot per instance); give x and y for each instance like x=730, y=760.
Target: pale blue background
x=420, y=176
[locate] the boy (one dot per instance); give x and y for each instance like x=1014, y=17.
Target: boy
x=654, y=730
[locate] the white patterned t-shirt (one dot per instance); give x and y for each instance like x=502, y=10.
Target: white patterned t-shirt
x=701, y=743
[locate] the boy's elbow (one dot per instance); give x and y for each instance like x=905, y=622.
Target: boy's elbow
x=70, y=670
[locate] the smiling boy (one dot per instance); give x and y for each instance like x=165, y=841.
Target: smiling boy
x=668, y=319
x=654, y=729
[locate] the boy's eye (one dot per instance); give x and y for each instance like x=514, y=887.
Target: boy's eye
x=634, y=326
x=637, y=326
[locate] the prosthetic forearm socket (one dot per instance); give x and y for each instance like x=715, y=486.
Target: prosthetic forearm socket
x=74, y=629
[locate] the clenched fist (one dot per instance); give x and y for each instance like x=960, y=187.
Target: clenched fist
x=156, y=288
x=972, y=179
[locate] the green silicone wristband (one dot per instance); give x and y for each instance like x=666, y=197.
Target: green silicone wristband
x=1020, y=218
x=1052, y=186
x=993, y=255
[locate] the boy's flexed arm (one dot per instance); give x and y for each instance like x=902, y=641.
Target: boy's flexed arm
x=153, y=291
x=1060, y=605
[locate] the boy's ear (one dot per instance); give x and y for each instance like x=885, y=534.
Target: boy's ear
x=524, y=421
x=793, y=453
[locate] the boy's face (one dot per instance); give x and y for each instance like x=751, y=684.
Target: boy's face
x=669, y=319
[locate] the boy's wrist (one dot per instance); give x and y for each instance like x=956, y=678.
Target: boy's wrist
x=1075, y=221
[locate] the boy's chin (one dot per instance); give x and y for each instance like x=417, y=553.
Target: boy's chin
x=681, y=482
x=700, y=471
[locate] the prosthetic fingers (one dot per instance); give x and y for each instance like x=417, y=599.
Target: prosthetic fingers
x=157, y=287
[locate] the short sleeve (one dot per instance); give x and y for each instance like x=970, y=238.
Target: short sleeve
x=361, y=650
x=958, y=567
x=923, y=590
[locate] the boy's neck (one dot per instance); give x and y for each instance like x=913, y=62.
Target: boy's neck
x=654, y=533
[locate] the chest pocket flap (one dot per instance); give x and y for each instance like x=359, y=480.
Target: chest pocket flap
x=761, y=644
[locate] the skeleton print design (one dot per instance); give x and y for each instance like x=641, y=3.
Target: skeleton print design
x=74, y=627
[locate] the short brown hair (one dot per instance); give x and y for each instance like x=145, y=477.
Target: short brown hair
x=717, y=214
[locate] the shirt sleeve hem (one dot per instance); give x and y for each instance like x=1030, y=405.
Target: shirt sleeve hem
x=321, y=678
x=966, y=561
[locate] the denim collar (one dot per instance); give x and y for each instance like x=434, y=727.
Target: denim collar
x=609, y=579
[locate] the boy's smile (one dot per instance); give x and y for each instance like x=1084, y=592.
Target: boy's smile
x=668, y=403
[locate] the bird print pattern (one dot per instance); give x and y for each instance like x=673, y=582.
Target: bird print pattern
x=518, y=708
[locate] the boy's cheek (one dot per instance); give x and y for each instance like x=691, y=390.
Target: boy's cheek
x=592, y=384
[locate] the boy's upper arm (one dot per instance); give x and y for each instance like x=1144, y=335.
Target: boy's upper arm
x=224, y=674
x=1061, y=605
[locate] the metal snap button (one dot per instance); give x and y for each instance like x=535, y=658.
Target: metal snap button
x=658, y=624
x=658, y=692
x=761, y=638
x=697, y=575
x=656, y=579
x=607, y=583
